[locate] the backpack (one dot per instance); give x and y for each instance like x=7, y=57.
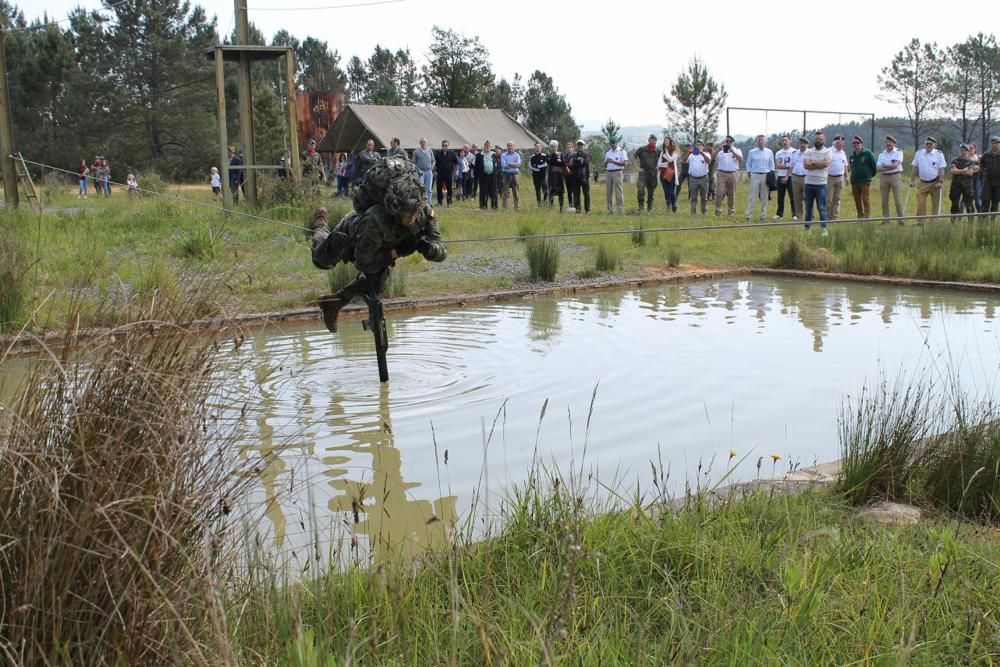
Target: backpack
x=373, y=186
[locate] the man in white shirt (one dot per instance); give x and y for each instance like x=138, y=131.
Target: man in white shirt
x=783, y=161
x=760, y=162
x=728, y=158
x=836, y=177
x=697, y=163
x=614, y=162
x=799, y=177
x=928, y=166
x=889, y=166
x=817, y=163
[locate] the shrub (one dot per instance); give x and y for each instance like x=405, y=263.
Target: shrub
x=791, y=254
x=151, y=182
x=527, y=227
x=608, y=258
x=543, y=259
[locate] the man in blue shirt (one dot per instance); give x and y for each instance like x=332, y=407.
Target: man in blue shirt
x=510, y=163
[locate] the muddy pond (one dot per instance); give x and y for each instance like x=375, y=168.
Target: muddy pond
x=618, y=385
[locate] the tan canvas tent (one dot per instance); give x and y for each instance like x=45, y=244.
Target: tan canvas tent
x=358, y=123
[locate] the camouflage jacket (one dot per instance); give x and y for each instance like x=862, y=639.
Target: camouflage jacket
x=369, y=238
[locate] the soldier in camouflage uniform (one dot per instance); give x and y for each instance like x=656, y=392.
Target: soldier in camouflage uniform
x=963, y=173
x=392, y=219
x=312, y=165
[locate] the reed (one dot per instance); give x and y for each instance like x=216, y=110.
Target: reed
x=543, y=259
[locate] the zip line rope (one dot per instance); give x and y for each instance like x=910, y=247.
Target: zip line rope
x=560, y=235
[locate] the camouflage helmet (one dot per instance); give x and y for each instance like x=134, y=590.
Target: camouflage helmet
x=405, y=195
x=376, y=181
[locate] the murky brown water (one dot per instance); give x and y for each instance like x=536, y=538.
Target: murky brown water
x=680, y=374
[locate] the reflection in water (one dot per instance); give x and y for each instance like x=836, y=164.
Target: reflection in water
x=775, y=356
x=394, y=523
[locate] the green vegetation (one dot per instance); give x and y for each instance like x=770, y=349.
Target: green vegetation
x=13, y=266
x=899, y=443
x=115, y=479
x=609, y=258
x=90, y=250
x=543, y=259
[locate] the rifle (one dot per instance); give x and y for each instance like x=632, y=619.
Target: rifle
x=376, y=324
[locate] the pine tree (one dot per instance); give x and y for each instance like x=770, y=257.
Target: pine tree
x=695, y=102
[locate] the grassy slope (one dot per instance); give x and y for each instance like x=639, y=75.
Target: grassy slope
x=104, y=252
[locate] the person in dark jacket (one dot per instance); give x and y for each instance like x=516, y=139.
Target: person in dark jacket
x=487, y=167
x=557, y=174
x=445, y=163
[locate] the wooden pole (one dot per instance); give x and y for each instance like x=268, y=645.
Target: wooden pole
x=220, y=92
x=293, y=119
x=246, y=103
x=6, y=134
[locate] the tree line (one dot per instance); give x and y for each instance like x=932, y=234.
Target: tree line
x=132, y=81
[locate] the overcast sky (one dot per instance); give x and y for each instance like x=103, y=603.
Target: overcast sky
x=612, y=60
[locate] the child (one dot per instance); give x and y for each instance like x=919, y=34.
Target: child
x=216, y=183
x=133, y=186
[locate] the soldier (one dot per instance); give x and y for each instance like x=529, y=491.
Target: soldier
x=646, y=158
x=312, y=165
x=963, y=173
x=400, y=224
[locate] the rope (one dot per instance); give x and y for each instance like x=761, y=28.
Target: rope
x=561, y=235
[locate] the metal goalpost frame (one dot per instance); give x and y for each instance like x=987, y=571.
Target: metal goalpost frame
x=805, y=115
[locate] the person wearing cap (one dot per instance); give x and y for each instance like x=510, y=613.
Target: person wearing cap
x=579, y=168
x=312, y=165
x=783, y=176
x=928, y=167
x=817, y=163
x=728, y=160
x=760, y=163
x=889, y=166
x=836, y=177
x=863, y=167
x=539, y=165
x=401, y=224
x=396, y=148
x=697, y=163
x=510, y=166
x=963, y=172
x=799, y=177
x=615, y=160
x=646, y=158
x=989, y=167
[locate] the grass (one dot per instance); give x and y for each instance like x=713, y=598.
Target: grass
x=899, y=443
x=758, y=580
x=609, y=258
x=115, y=481
x=13, y=287
x=543, y=259
x=104, y=244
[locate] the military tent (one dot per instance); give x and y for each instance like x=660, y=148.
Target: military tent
x=358, y=123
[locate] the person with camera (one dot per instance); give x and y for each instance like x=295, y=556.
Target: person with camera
x=729, y=158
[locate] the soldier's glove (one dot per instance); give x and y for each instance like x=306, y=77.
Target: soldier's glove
x=423, y=245
x=319, y=218
x=406, y=247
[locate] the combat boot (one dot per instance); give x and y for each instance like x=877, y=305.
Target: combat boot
x=319, y=218
x=331, y=305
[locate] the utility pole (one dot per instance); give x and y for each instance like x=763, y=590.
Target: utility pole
x=246, y=102
x=6, y=134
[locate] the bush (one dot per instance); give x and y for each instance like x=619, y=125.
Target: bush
x=608, y=258
x=526, y=228
x=639, y=236
x=273, y=191
x=674, y=257
x=791, y=254
x=543, y=259
x=151, y=182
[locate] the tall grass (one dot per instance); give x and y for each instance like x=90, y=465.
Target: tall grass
x=899, y=442
x=543, y=259
x=608, y=258
x=13, y=290
x=115, y=482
